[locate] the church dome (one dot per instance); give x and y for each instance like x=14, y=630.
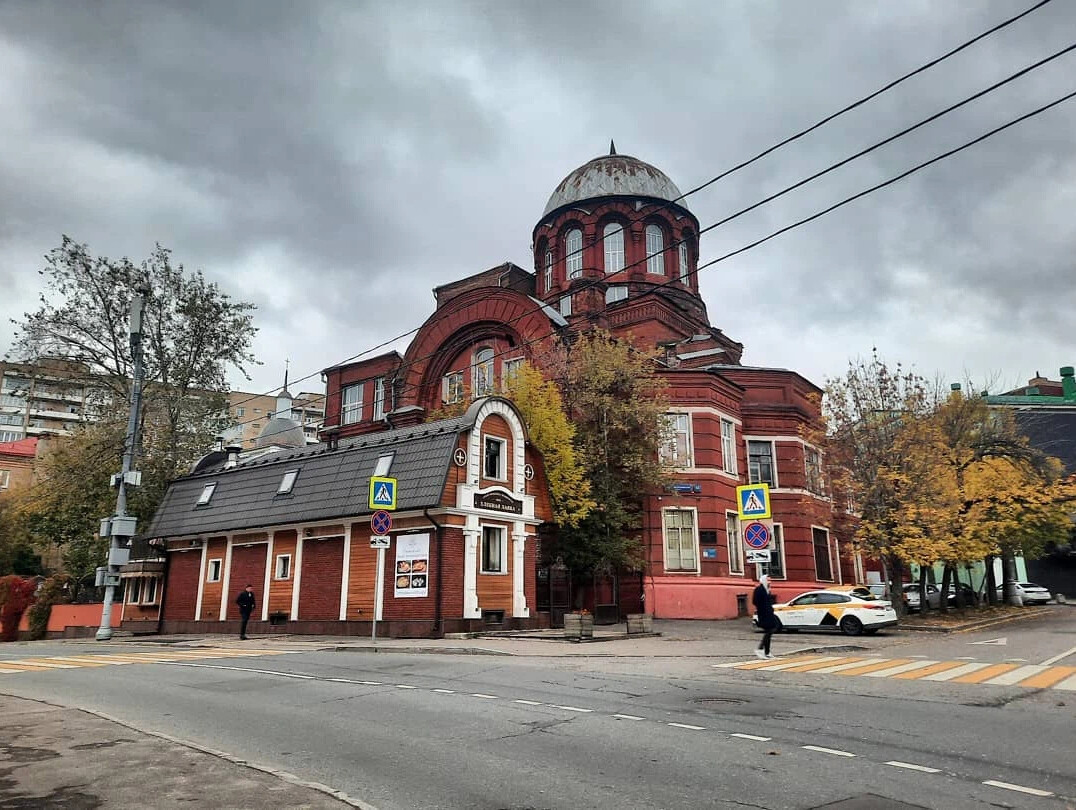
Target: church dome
x=281, y=432
x=613, y=175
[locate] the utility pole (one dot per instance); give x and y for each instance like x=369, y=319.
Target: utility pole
x=120, y=528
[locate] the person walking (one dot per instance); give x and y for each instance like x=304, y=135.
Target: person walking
x=763, y=600
x=245, y=600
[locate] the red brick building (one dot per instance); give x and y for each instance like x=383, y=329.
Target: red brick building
x=616, y=248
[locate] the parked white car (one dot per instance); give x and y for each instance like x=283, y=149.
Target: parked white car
x=1029, y=592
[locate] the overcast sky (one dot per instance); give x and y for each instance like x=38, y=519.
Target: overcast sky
x=332, y=162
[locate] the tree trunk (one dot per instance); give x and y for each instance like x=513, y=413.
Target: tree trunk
x=1008, y=572
x=892, y=574
x=923, y=606
x=990, y=585
x=960, y=602
x=943, y=600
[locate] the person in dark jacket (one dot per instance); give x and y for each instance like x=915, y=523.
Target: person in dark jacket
x=245, y=600
x=767, y=619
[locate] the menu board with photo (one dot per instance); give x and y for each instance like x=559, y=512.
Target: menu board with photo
x=412, y=565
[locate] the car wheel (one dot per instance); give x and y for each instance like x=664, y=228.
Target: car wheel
x=851, y=626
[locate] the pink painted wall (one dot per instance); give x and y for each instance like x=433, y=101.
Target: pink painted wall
x=63, y=616
x=708, y=597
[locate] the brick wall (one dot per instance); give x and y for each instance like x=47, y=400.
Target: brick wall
x=319, y=584
x=248, y=568
x=181, y=589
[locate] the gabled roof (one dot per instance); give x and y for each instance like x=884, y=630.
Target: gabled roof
x=330, y=484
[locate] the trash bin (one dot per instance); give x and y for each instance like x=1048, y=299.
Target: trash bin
x=741, y=604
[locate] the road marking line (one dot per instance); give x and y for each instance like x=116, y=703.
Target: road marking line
x=689, y=727
x=15, y=666
x=92, y=660
x=1057, y=658
x=1018, y=788
x=911, y=767
x=1017, y=675
x=571, y=708
x=768, y=664
x=341, y=680
x=941, y=666
x=833, y=751
x=851, y=664
x=750, y=737
x=484, y=697
x=405, y=686
x=240, y=669
x=370, y=683
x=530, y=702
x=11, y=671
x=966, y=658
x=1069, y=684
x=891, y=671
x=628, y=717
x=444, y=691
x=821, y=662
x=1015, y=660
x=1048, y=678
x=63, y=659
x=36, y=663
x=985, y=674
x=949, y=674
x=866, y=669
x=732, y=664
x=798, y=665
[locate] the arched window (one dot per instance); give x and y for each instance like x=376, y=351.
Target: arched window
x=685, y=258
x=655, y=250
x=613, y=238
x=573, y=253
x=483, y=373
x=548, y=270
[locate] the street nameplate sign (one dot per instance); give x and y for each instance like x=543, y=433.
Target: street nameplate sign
x=382, y=492
x=753, y=501
x=380, y=541
x=758, y=555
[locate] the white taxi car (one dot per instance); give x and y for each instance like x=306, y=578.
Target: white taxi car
x=852, y=611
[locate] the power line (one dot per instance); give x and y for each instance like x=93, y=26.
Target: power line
x=802, y=133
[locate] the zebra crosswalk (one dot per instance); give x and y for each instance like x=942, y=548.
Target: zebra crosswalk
x=1031, y=676
x=48, y=663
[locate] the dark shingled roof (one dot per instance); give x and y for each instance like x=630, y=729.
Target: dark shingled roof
x=331, y=483
x=1052, y=430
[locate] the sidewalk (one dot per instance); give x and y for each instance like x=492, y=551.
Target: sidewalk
x=58, y=757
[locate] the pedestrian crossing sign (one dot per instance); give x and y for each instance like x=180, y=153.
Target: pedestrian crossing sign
x=382, y=492
x=753, y=501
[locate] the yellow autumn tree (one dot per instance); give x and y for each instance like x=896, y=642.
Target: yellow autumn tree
x=539, y=401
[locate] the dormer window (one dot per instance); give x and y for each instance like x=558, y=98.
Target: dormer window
x=655, y=250
x=613, y=239
x=573, y=253
x=384, y=464
x=287, y=482
x=207, y=493
x=483, y=372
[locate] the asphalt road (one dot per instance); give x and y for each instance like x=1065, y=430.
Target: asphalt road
x=468, y=731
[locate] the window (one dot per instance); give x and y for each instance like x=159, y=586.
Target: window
x=511, y=368
x=240, y=412
x=760, y=468
x=493, y=458
x=732, y=531
x=452, y=388
x=680, y=540
x=136, y=592
x=213, y=571
x=573, y=253
x=728, y=446
x=613, y=239
x=685, y=265
x=566, y=305
x=149, y=592
x=351, y=411
x=5, y=479
x=822, y=565
x=483, y=372
x=677, y=449
x=777, y=553
x=287, y=482
x=548, y=270
x=812, y=462
x=616, y=292
x=11, y=419
x=379, y=398
x=10, y=435
x=207, y=493
x=257, y=411
x=283, y=566
x=655, y=250
x=493, y=549
x=384, y=464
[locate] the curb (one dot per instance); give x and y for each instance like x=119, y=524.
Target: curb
x=368, y=648
x=979, y=625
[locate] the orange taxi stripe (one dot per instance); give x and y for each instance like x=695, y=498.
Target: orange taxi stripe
x=985, y=674
x=1049, y=677
x=932, y=669
x=877, y=665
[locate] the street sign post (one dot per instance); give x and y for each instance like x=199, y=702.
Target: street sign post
x=756, y=535
x=753, y=501
x=759, y=556
x=380, y=541
x=381, y=522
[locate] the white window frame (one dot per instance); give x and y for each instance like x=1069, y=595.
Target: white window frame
x=616, y=292
x=502, y=544
x=149, y=591
x=135, y=595
x=482, y=372
x=5, y=479
x=452, y=388
x=573, y=253
x=655, y=250
x=240, y=413
x=773, y=461
x=509, y=368
x=566, y=306
x=207, y=494
x=351, y=404
x=287, y=482
x=282, y=567
x=384, y=464
x=685, y=264
x=670, y=453
x=214, y=569
x=379, y=399
x=813, y=483
x=735, y=543
x=829, y=554
x=778, y=551
x=728, y=445
x=665, y=539
x=613, y=244
x=502, y=458
x=548, y=271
